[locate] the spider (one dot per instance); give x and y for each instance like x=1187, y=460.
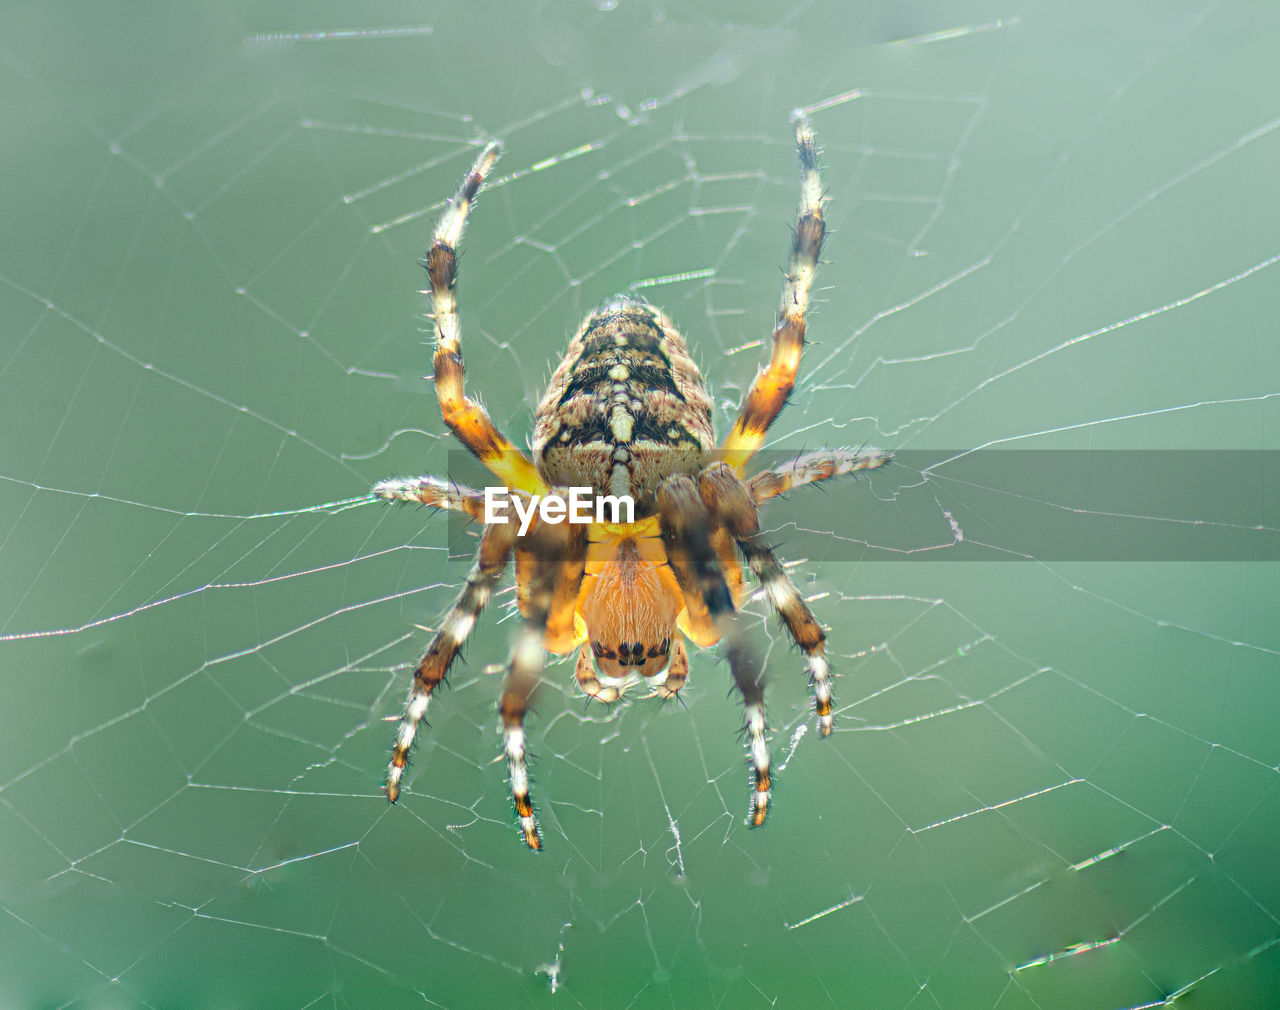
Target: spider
x=626, y=412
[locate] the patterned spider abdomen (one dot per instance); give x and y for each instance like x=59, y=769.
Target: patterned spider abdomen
x=626, y=407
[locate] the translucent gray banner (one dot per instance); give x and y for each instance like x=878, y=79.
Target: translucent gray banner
x=1007, y=505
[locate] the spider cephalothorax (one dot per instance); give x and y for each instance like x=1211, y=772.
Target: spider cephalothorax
x=626, y=414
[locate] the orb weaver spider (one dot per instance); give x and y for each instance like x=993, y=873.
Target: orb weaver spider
x=626, y=412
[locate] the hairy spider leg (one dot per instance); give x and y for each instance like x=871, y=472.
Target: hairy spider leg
x=686, y=527
x=729, y=501
x=812, y=467
x=564, y=630
x=773, y=384
x=555, y=551
x=465, y=417
x=491, y=560
x=432, y=491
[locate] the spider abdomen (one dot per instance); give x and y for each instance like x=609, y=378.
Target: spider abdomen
x=625, y=408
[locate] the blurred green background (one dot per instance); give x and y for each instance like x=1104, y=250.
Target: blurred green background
x=1053, y=784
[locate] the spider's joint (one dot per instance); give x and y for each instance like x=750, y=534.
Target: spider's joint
x=756, y=732
x=516, y=754
x=759, y=751
x=458, y=626
x=417, y=707
x=820, y=678
x=518, y=770
x=528, y=651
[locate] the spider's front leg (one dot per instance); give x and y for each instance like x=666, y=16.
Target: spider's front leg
x=550, y=563
x=491, y=560
x=730, y=502
x=773, y=384
x=464, y=416
x=686, y=533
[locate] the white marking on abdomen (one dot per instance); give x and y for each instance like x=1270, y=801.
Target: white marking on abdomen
x=620, y=424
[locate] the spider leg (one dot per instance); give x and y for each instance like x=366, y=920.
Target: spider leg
x=491, y=560
x=555, y=549
x=686, y=534
x=464, y=416
x=560, y=634
x=729, y=501
x=433, y=491
x=773, y=384
x=812, y=467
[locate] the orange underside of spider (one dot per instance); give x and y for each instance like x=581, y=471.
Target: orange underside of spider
x=626, y=563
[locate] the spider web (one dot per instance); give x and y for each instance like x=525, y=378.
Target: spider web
x=1054, y=779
